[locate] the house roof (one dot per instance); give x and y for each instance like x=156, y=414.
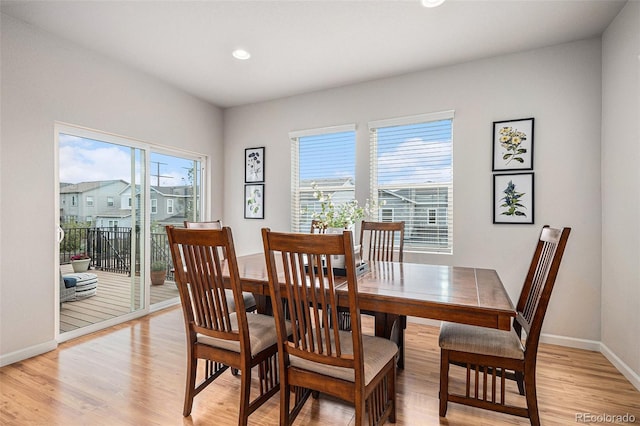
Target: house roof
x=70, y=188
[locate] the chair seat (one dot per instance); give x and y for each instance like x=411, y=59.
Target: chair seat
x=249, y=299
x=377, y=353
x=262, y=334
x=480, y=340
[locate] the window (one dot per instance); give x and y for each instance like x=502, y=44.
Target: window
x=89, y=201
x=412, y=174
x=110, y=201
x=169, y=206
x=386, y=215
x=73, y=200
x=325, y=157
x=154, y=206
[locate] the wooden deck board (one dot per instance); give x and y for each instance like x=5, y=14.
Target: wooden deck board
x=112, y=299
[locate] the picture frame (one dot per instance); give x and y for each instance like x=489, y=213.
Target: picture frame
x=513, y=145
x=513, y=198
x=254, y=201
x=254, y=165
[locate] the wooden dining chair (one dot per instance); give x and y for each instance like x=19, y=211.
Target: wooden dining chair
x=489, y=354
x=215, y=334
x=382, y=241
x=249, y=298
x=345, y=364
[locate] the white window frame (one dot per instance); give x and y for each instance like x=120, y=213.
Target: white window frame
x=170, y=206
x=421, y=243
x=154, y=206
x=110, y=201
x=90, y=201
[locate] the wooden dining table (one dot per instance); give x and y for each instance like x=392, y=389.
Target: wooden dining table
x=464, y=295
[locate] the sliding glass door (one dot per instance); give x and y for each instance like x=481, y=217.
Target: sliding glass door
x=115, y=197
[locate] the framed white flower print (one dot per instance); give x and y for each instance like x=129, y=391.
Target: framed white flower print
x=513, y=145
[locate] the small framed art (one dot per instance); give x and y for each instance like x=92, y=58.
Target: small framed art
x=254, y=201
x=513, y=198
x=513, y=145
x=254, y=165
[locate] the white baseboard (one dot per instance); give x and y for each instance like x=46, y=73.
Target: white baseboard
x=622, y=367
x=570, y=342
x=29, y=352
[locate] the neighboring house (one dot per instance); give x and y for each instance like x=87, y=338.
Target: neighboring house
x=94, y=202
x=424, y=209
x=169, y=205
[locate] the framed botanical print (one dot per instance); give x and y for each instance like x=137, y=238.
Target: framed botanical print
x=513, y=145
x=254, y=201
x=254, y=165
x=513, y=198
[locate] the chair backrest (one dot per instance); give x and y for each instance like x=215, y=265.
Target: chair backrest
x=538, y=285
x=303, y=288
x=378, y=240
x=199, y=276
x=213, y=224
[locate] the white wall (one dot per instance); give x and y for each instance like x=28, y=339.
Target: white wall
x=560, y=86
x=621, y=188
x=45, y=79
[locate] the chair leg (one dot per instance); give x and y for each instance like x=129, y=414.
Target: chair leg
x=532, y=399
x=285, y=401
x=520, y=381
x=245, y=390
x=190, y=386
x=444, y=381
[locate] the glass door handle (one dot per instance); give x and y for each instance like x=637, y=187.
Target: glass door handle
x=60, y=234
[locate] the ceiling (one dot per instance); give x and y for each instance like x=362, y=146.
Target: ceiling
x=303, y=46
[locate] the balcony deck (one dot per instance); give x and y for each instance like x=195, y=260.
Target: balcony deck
x=112, y=299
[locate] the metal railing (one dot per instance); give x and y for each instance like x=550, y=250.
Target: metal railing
x=110, y=248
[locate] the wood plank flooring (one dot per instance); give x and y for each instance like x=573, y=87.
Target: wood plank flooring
x=112, y=299
x=133, y=374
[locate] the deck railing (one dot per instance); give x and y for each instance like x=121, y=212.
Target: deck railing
x=110, y=248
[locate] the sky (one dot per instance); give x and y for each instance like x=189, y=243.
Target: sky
x=410, y=154
x=87, y=160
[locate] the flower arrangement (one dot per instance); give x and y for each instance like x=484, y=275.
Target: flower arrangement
x=339, y=216
x=511, y=140
x=81, y=256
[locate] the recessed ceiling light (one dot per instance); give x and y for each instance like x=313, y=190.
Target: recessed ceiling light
x=431, y=3
x=241, y=54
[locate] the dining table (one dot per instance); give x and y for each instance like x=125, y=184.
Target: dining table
x=467, y=295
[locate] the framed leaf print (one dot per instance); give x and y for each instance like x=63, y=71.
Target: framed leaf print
x=513, y=198
x=254, y=201
x=513, y=145
x=254, y=165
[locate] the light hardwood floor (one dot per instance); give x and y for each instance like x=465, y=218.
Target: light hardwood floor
x=133, y=374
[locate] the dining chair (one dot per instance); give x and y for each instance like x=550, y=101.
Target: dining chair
x=215, y=334
x=249, y=298
x=357, y=368
x=383, y=241
x=488, y=353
